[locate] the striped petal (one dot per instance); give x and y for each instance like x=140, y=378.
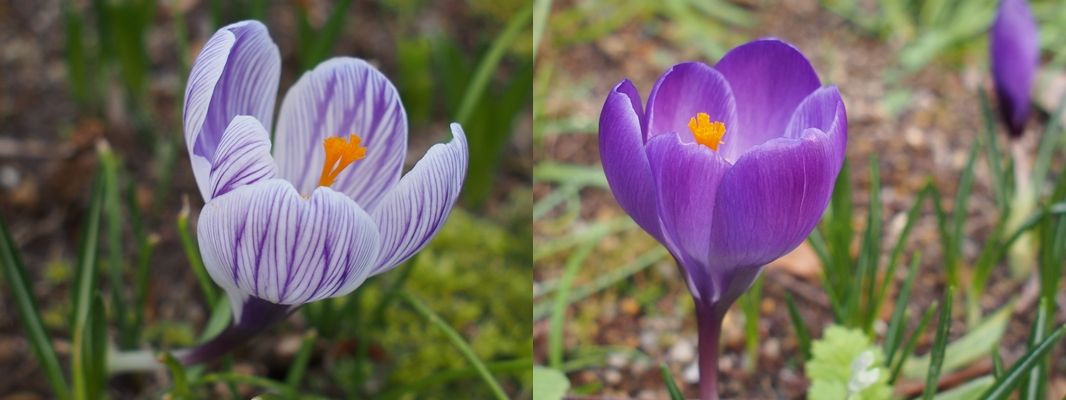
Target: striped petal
x=340, y=97
x=235, y=74
x=243, y=157
x=413, y=211
x=266, y=240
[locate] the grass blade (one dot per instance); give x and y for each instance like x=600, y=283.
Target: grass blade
x=456, y=340
x=84, y=290
x=192, y=252
x=671, y=386
x=558, y=315
x=541, y=8
x=908, y=348
x=992, y=152
x=940, y=343
x=1034, y=385
x=803, y=335
x=1003, y=387
x=299, y=364
x=894, y=334
x=487, y=67
x=30, y=319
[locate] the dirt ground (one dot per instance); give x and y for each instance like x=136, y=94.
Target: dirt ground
x=929, y=137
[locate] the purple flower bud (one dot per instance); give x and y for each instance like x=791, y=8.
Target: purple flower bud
x=1014, y=49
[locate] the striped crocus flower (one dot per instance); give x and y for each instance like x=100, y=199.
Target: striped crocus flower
x=729, y=167
x=1014, y=49
x=325, y=207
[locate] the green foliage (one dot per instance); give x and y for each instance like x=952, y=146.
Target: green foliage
x=481, y=270
x=549, y=384
x=845, y=364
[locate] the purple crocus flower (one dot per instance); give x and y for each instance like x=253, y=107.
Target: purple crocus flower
x=729, y=167
x=328, y=207
x=1015, y=53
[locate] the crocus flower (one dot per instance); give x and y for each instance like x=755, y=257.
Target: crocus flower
x=1015, y=52
x=729, y=167
x=325, y=207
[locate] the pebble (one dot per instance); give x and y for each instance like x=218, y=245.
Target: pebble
x=691, y=374
x=683, y=351
x=617, y=360
x=612, y=376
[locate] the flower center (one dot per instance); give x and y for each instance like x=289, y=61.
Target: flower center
x=340, y=153
x=705, y=131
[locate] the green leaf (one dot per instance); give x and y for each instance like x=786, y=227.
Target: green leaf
x=972, y=346
x=29, y=318
x=968, y=390
x=84, y=290
x=1034, y=385
x=940, y=344
x=549, y=384
x=487, y=66
x=1003, y=387
x=558, y=315
x=908, y=348
x=457, y=341
x=894, y=333
x=192, y=252
x=846, y=364
x=803, y=335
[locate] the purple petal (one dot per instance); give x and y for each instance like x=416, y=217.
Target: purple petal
x=685, y=90
x=243, y=157
x=625, y=162
x=823, y=110
x=1015, y=54
x=687, y=177
x=769, y=79
x=414, y=210
x=266, y=240
x=343, y=96
x=235, y=74
x=771, y=199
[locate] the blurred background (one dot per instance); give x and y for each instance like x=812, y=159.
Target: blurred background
x=609, y=304
x=94, y=88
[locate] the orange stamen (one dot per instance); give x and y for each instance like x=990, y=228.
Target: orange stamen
x=706, y=132
x=340, y=154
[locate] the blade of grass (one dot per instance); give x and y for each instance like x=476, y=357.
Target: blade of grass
x=145, y=245
x=192, y=252
x=601, y=282
x=558, y=314
x=457, y=341
x=749, y=304
x=992, y=152
x=1005, y=385
x=84, y=289
x=897, y=250
x=997, y=364
x=486, y=68
x=29, y=318
x=908, y=348
x=541, y=8
x=109, y=168
x=803, y=335
x=671, y=385
x=894, y=333
x=940, y=344
x=870, y=252
x=962, y=199
x=299, y=363
x=180, y=386
x=1034, y=384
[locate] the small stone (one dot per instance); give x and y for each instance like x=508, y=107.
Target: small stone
x=617, y=360
x=691, y=374
x=772, y=348
x=683, y=351
x=612, y=376
x=9, y=177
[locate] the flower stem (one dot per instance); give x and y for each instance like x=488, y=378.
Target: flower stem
x=710, y=329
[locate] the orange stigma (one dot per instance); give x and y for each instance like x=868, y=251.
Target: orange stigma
x=340, y=154
x=706, y=132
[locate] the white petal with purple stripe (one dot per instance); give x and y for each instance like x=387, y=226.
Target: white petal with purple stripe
x=267, y=241
x=343, y=96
